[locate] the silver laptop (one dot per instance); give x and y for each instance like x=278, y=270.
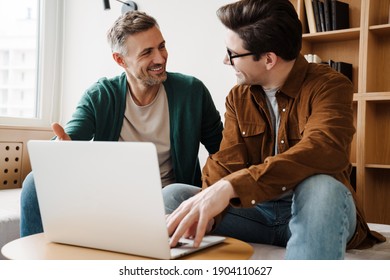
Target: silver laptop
x=104, y=195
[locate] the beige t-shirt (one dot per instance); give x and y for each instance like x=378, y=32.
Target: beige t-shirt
x=150, y=123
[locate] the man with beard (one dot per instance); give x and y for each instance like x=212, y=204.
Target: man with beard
x=145, y=103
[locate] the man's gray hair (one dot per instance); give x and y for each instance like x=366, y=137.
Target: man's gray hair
x=130, y=23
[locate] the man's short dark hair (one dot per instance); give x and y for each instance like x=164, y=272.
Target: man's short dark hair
x=265, y=26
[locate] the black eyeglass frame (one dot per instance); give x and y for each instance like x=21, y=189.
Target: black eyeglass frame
x=229, y=52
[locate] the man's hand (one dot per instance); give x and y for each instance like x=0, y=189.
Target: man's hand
x=60, y=132
x=195, y=215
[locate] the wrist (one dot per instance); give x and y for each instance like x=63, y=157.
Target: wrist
x=228, y=187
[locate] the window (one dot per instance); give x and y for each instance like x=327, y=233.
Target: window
x=30, y=48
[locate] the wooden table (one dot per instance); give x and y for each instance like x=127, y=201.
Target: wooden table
x=36, y=247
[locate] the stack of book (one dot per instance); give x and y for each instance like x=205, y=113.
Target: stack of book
x=340, y=66
x=313, y=58
x=326, y=15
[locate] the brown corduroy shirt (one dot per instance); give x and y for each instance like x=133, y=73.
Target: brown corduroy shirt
x=315, y=134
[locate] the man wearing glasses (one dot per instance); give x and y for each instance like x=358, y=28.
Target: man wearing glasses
x=281, y=176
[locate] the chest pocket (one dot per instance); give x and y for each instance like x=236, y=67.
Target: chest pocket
x=249, y=129
x=255, y=138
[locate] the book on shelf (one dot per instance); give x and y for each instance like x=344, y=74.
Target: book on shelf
x=331, y=64
x=322, y=15
x=328, y=15
x=316, y=15
x=313, y=58
x=310, y=16
x=340, y=14
x=342, y=67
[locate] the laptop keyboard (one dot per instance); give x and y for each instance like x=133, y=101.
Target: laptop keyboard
x=180, y=244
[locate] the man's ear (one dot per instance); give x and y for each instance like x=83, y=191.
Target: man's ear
x=270, y=60
x=119, y=59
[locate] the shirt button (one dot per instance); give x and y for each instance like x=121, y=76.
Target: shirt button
x=253, y=202
x=282, y=141
x=243, y=133
x=284, y=110
x=284, y=188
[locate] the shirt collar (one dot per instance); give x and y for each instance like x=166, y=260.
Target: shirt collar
x=294, y=80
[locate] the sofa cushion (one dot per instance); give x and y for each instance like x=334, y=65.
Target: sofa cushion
x=9, y=216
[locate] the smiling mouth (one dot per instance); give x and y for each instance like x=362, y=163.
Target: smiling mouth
x=156, y=68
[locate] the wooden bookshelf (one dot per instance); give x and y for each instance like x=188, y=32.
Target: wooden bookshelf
x=366, y=45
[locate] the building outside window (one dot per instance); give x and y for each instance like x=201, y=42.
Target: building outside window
x=31, y=34
x=19, y=33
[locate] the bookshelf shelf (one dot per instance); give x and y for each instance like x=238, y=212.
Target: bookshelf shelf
x=381, y=97
x=378, y=166
x=381, y=30
x=332, y=36
x=366, y=45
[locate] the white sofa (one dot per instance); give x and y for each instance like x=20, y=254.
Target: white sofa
x=10, y=221
x=9, y=216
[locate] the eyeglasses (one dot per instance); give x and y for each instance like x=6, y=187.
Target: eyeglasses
x=236, y=55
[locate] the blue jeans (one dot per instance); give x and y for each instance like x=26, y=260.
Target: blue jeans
x=316, y=222
x=30, y=215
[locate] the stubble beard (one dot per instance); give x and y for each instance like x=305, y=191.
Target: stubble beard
x=240, y=80
x=152, y=80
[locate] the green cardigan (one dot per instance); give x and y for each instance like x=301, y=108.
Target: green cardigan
x=192, y=115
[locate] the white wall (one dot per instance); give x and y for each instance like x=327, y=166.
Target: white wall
x=194, y=36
